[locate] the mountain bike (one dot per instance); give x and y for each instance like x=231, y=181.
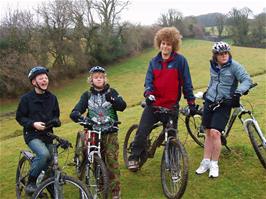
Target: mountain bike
x=90, y=166
x=174, y=162
x=249, y=122
x=55, y=184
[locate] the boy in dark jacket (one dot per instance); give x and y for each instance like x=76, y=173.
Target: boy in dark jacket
x=35, y=109
x=102, y=103
x=167, y=78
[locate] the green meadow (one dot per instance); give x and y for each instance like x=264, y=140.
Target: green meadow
x=241, y=175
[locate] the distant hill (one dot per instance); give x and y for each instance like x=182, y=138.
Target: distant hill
x=208, y=20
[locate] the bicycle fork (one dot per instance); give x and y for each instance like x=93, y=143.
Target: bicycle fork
x=258, y=129
x=172, y=164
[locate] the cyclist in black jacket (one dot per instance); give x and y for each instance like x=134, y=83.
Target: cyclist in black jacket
x=102, y=104
x=35, y=109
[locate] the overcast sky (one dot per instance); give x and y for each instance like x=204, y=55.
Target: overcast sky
x=146, y=12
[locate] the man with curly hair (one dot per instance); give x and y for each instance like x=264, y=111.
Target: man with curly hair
x=167, y=77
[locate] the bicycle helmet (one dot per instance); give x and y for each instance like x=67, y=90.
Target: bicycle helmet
x=220, y=47
x=36, y=71
x=95, y=69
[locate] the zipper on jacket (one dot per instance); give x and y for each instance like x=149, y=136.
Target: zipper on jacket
x=217, y=86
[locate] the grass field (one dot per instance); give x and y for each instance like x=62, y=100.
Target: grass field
x=241, y=175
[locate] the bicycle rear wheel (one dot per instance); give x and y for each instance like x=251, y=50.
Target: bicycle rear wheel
x=195, y=129
x=95, y=176
x=256, y=142
x=174, y=170
x=68, y=188
x=22, y=175
x=129, y=138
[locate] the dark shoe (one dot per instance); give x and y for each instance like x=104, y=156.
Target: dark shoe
x=133, y=165
x=30, y=188
x=116, y=194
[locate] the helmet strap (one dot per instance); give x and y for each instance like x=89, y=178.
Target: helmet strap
x=38, y=87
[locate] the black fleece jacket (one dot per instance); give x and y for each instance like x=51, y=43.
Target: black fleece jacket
x=35, y=107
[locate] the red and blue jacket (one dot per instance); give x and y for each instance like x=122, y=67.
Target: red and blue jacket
x=167, y=79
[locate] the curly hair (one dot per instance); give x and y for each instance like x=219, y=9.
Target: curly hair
x=89, y=79
x=169, y=34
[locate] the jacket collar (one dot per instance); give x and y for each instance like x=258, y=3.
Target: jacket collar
x=160, y=59
x=215, y=67
x=94, y=91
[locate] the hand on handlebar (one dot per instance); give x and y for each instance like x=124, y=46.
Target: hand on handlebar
x=65, y=144
x=40, y=126
x=193, y=109
x=53, y=123
x=236, y=100
x=150, y=99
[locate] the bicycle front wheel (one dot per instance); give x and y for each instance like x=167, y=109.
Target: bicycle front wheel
x=95, y=176
x=195, y=129
x=257, y=142
x=22, y=177
x=67, y=188
x=174, y=170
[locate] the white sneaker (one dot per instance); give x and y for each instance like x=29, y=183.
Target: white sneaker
x=204, y=166
x=214, y=170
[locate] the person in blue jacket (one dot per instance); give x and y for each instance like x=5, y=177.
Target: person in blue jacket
x=35, y=109
x=168, y=76
x=225, y=74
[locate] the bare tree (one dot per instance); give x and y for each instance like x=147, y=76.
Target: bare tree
x=108, y=12
x=220, y=20
x=172, y=18
x=239, y=26
x=16, y=53
x=258, y=30
x=56, y=16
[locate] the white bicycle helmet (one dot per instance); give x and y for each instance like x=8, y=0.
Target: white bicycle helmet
x=220, y=47
x=95, y=69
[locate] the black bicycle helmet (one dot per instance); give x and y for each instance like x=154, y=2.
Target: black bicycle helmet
x=36, y=71
x=220, y=47
x=95, y=69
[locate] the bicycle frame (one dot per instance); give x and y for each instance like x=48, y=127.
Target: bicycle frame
x=239, y=112
x=93, y=144
x=166, y=128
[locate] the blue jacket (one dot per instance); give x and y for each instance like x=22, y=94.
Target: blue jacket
x=224, y=81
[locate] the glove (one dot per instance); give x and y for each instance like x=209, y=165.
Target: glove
x=150, y=99
x=76, y=116
x=193, y=109
x=53, y=123
x=236, y=100
x=110, y=96
x=204, y=95
x=64, y=144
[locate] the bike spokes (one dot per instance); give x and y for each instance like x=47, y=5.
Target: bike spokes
x=174, y=171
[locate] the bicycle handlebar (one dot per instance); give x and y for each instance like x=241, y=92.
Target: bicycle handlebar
x=252, y=86
x=62, y=142
x=53, y=123
x=86, y=122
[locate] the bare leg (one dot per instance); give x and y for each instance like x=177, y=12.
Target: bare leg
x=216, y=144
x=208, y=145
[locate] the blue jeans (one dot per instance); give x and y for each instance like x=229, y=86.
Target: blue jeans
x=43, y=153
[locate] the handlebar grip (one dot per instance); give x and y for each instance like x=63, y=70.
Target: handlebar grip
x=253, y=85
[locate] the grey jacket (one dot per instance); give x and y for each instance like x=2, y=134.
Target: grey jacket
x=224, y=81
